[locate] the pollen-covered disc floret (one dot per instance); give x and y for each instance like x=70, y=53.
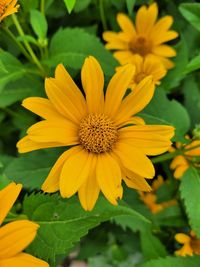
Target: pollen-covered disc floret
x=141, y=46
x=97, y=133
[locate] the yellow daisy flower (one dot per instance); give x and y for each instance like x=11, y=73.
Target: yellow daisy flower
x=146, y=37
x=181, y=163
x=191, y=244
x=103, y=151
x=150, y=198
x=8, y=7
x=144, y=67
x=17, y=235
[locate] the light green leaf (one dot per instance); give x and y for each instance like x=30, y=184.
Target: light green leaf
x=152, y=247
x=130, y=5
x=31, y=169
x=79, y=44
x=173, y=261
x=191, y=12
x=70, y=4
x=63, y=222
x=161, y=110
x=81, y=5
x=193, y=65
x=38, y=23
x=190, y=192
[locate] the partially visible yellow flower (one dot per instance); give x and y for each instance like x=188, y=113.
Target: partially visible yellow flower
x=191, y=244
x=182, y=162
x=108, y=142
x=146, y=37
x=7, y=7
x=17, y=235
x=148, y=66
x=150, y=198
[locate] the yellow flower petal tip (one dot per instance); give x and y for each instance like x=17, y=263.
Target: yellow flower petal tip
x=108, y=143
x=8, y=7
x=147, y=37
x=190, y=244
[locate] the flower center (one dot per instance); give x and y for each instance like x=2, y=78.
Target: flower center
x=3, y=6
x=140, y=46
x=195, y=244
x=97, y=133
x=140, y=76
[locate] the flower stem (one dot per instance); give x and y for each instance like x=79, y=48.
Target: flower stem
x=11, y=35
x=42, y=7
x=166, y=156
x=102, y=15
x=28, y=47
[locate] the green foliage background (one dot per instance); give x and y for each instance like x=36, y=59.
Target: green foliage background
x=68, y=31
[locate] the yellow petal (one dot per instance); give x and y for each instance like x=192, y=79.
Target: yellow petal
x=89, y=191
x=59, y=131
x=117, y=88
x=195, y=151
x=134, y=160
x=123, y=57
x=163, y=37
x=182, y=238
x=41, y=106
x=27, y=145
x=136, y=100
x=146, y=18
x=164, y=51
x=93, y=82
x=69, y=88
x=133, y=181
x=116, y=40
x=186, y=250
x=126, y=24
x=75, y=172
x=63, y=101
x=23, y=260
x=178, y=161
x=109, y=177
x=8, y=196
x=151, y=139
x=16, y=236
x=51, y=184
x=180, y=170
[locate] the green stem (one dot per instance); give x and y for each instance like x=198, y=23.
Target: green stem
x=28, y=47
x=23, y=50
x=102, y=15
x=166, y=156
x=42, y=7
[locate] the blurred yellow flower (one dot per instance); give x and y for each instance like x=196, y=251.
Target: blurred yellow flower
x=146, y=37
x=150, y=198
x=144, y=67
x=182, y=162
x=17, y=235
x=8, y=7
x=191, y=244
x=103, y=151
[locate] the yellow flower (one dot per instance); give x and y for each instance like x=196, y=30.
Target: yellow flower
x=8, y=7
x=17, y=235
x=150, y=198
x=191, y=244
x=182, y=162
x=144, y=67
x=147, y=37
x=103, y=151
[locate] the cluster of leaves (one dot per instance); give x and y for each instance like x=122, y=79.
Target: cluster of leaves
x=68, y=31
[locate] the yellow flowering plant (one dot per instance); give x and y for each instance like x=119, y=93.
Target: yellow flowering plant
x=97, y=99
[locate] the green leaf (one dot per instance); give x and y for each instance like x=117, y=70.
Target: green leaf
x=173, y=261
x=193, y=65
x=38, y=23
x=79, y=44
x=31, y=169
x=192, y=100
x=63, y=222
x=190, y=192
x=13, y=69
x=152, y=247
x=28, y=38
x=130, y=5
x=161, y=110
x=191, y=12
x=70, y=4
x=81, y=5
